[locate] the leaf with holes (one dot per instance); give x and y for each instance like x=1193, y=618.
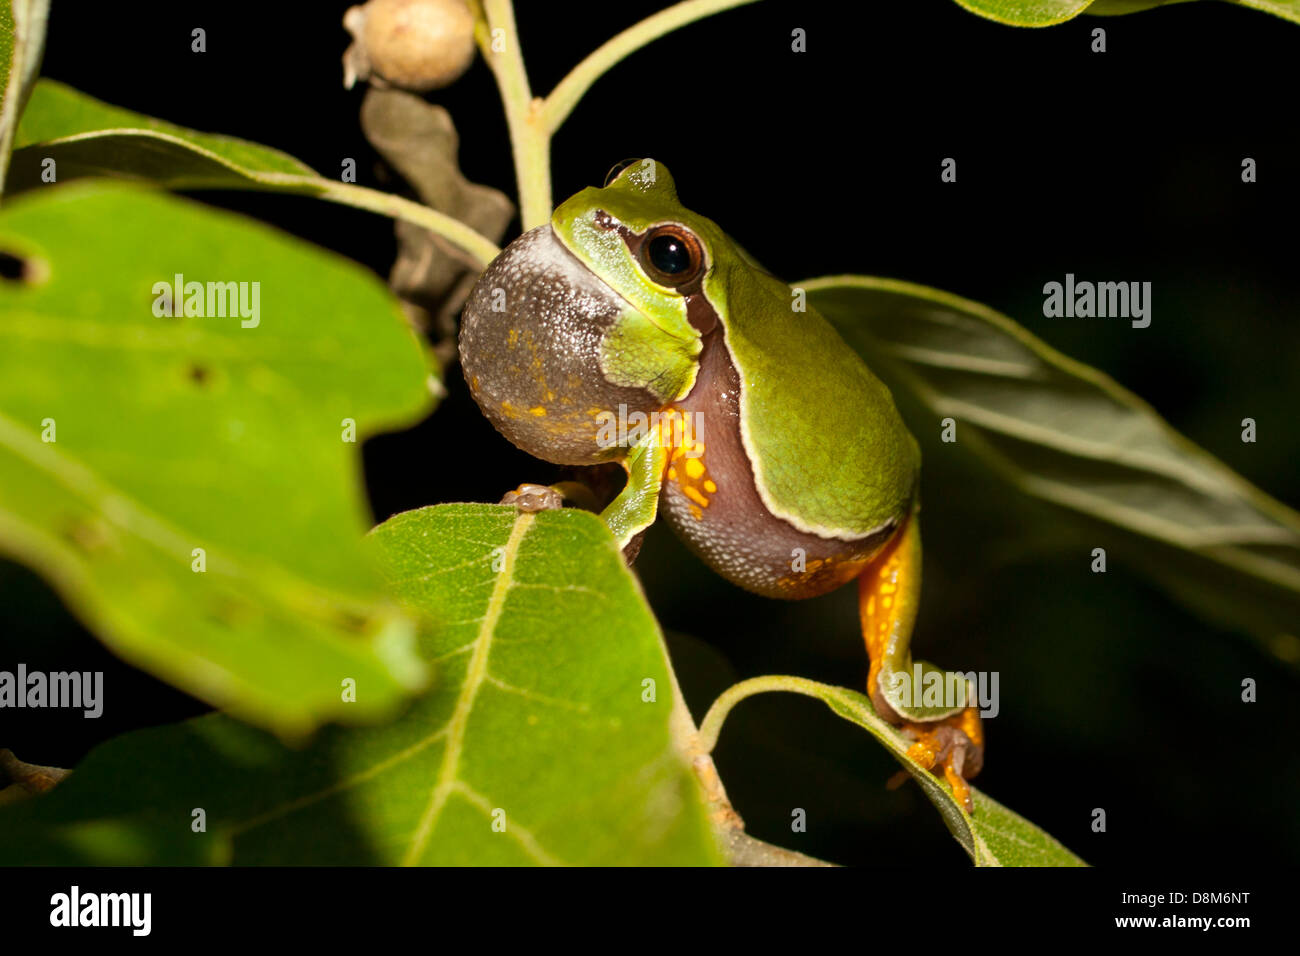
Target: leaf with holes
x=190, y=484
x=1062, y=431
x=993, y=835
x=547, y=739
x=1045, y=13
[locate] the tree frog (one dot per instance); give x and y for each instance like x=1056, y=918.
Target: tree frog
x=632, y=329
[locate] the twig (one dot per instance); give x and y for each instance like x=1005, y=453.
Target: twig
x=561, y=101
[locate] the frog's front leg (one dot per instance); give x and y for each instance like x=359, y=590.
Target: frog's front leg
x=630, y=513
x=934, y=708
x=635, y=508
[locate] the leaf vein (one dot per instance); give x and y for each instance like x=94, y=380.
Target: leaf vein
x=474, y=678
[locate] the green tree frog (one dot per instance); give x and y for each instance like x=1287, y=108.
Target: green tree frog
x=632, y=329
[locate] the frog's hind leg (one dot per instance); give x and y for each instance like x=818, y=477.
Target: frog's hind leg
x=889, y=590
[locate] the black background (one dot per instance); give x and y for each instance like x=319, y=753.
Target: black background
x=1116, y=166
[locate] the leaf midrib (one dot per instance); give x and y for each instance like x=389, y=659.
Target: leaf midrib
x=306, y=173
x=476, y=675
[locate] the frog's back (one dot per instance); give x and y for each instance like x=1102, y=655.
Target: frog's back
x=832, y=453
x=816, y=510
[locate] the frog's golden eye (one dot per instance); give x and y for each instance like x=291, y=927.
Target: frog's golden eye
x=672, y=255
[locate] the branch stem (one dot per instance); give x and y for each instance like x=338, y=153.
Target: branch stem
x=531, y=120
x=560, y=103
x=530, y=142
x=711, y=725
x=474, y=244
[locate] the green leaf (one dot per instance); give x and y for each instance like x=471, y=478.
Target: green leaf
x=1027, y=13
x=1062, y=431
x=86, y=137
x=89, y=137
x=993, y=835
x=22, y=37
x=1045, y=13
x=129, y=439
x=544, y=644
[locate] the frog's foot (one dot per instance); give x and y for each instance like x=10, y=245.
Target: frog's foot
x=531, y=498
x=953, y=747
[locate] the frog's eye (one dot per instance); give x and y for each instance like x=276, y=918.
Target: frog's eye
x=672, y=255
